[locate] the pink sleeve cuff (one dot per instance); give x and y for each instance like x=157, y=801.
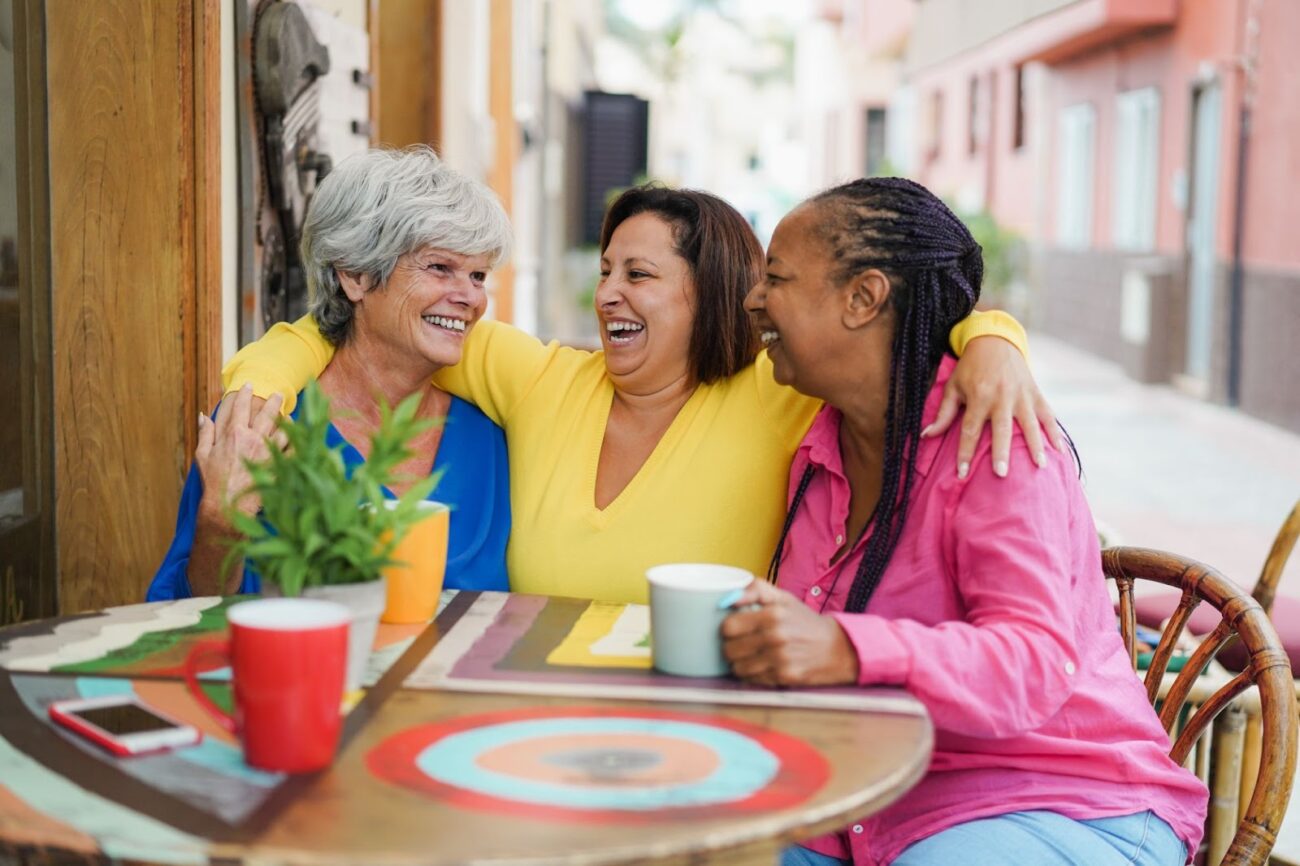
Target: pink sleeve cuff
x=883, y=658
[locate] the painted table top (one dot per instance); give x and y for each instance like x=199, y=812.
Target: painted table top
x=509, y=729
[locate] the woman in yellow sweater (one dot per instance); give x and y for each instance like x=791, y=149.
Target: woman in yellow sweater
x=674, y=442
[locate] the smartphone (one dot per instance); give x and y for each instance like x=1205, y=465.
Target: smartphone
x=123, y=725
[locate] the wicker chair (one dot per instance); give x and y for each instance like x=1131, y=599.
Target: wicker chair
x=1269, y=669
x=1155, y=608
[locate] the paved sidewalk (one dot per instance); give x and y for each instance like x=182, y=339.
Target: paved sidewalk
x=1168, y=471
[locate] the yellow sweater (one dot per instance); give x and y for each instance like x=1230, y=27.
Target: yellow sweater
x=713, y=490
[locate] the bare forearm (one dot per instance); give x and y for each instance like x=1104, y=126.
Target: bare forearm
x=211, y=546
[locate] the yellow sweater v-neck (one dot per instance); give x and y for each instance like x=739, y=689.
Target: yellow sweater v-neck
x=713, y=489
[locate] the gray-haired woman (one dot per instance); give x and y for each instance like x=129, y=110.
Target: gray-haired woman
x=397, y=247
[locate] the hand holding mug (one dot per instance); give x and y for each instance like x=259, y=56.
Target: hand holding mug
x=774, y=639
x=688, y=602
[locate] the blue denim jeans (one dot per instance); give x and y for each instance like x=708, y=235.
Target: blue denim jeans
x=1040, y=838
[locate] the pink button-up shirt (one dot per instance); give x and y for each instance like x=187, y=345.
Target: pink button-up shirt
x=995, y=614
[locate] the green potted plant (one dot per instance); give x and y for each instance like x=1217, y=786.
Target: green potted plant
x=325, y=533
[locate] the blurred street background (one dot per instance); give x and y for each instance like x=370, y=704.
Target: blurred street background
x=1166, y=470
x=1130, y=168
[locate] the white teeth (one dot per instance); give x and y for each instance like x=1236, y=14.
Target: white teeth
x=623, y=332
x=769, y=337
x=444, y=322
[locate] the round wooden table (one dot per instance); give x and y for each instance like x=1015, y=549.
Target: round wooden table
x=445, y=774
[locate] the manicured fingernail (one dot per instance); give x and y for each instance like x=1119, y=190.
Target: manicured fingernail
x=963, y=469
x=926, y=432
x=1041, y=459
x=1000, y=468
x=730, y=598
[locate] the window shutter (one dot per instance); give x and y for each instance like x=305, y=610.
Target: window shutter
x=615, y=135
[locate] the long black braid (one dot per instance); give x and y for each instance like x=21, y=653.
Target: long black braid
x=935, y=269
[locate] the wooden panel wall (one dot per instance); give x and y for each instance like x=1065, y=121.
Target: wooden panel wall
x=203, y=328
x=408, y=72
x=133, y=258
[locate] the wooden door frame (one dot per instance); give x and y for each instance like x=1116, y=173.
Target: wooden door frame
x=31, y=577
x=36, y=327
x=125, y=402
x=203, y=321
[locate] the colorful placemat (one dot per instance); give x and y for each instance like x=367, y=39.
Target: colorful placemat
x=607, y=636
x=45, y=814
x=168, y=803
x=153, y=640
x=596, y=764
x=540, y=645
x=210, y=776
x=134, y=640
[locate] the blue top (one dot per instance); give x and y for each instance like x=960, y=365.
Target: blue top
x=475, y=483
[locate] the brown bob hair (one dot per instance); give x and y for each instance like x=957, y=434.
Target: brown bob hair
x=725, y=259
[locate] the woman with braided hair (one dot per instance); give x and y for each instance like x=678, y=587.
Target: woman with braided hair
x=981, y=596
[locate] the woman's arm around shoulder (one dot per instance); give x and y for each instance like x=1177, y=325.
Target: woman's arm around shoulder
x=282, y=361
x=994, y=383
x=501, y=364
x=498, y=365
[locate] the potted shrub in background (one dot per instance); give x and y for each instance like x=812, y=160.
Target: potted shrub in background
x=324, y=533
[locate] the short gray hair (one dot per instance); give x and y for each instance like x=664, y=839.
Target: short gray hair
x=375, y=207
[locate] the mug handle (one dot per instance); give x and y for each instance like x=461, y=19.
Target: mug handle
x=207, y=649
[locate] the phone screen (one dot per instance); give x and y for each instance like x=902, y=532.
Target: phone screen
x=123, y=719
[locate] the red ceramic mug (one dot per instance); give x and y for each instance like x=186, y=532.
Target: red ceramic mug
x=287, y=658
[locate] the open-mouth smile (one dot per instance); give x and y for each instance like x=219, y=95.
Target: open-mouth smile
x=622, y=332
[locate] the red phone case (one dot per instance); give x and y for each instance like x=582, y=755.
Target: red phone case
x=105, y=740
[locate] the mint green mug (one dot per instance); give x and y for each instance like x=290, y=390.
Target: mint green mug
x=688, y=602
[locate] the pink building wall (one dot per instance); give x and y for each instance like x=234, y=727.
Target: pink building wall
x=1273, y=186
x=882, y=26
x=1202, y=42
x=1002, y=174
x=1205, y=39
x=1226, y=334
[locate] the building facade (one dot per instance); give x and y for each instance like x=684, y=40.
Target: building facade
x=1145, y=151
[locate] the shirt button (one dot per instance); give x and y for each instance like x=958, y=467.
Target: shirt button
x=816, y=590
x=839, y=539
x=857, y=828
x=1069, y=668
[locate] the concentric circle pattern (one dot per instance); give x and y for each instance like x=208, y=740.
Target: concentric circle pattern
x=584, y=763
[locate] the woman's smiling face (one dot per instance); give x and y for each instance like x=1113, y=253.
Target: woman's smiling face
x=645, y=304
x=431, y=300
x=795, y=305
